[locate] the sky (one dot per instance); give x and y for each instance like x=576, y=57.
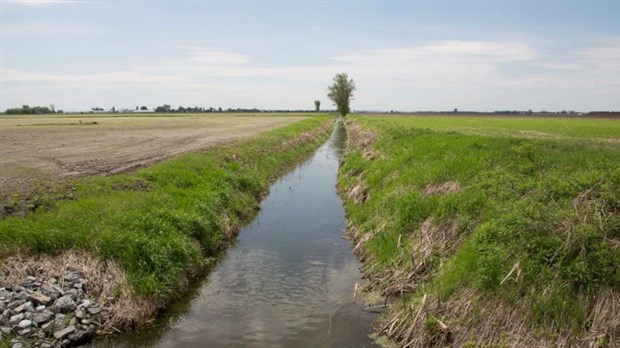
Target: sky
x=402, y=55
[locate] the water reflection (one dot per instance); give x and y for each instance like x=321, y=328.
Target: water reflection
x=289, y=280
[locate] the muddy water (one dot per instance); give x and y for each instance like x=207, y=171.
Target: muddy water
x=288, y=281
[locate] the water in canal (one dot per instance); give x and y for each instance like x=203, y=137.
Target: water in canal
x=287, y=282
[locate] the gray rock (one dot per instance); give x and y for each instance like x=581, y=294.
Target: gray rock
x=39, y=298
x=21, y=296
x=40, y=308
x=58, y=289
x=86, y=304
x=94, y=310
x=48, y=326
x=5, y=330
x=26, y=332
x=73, y=292
x=80, y=314
x=24, y=324
x=63, y=304
x=19, y=308
x=6, y=314
x=59, y=324
x=17, y=345
x=6, y=294
x=16, y=319
x=42, y=317
x=72, y=276
x=29, y=307
x=60, y=334
x=81, y=337
x=13, y=304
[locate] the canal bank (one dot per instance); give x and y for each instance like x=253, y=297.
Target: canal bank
x=137, y=241
x=288, y=281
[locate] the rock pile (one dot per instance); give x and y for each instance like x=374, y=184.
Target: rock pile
x=49, y=313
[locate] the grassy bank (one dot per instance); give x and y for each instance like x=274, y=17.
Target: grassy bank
x=161, y=224
x=486, y=236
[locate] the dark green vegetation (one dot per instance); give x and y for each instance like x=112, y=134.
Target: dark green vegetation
x=161, y=224
x=341, y=93
x=27, y=110
x=491, y=238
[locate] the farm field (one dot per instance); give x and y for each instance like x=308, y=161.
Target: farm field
x=591, y=129
x=483, y=233
x=40, y=149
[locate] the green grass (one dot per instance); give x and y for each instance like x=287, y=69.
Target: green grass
x=551, y=205
x=149, y=221
x=581, y=128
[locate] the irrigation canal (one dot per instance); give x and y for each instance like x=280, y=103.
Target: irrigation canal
x=287, y=282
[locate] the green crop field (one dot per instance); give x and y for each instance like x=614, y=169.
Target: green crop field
x=489, y=231
x=550, y=127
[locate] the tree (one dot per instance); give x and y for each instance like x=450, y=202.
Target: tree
x=143, y=108
x=341, y=92
x=317, y=105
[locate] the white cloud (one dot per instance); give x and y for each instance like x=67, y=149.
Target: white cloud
x=448, y=51
x=475, y=75
x=205, y=55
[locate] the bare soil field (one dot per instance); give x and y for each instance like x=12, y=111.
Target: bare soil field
x=36, y=149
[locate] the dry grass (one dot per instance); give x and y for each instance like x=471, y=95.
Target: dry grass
x=362, y=139
x=106, y=284
x=605, y=318
x=469, y=318
x=305, y=137
x=442, y=189
x=359, y=240
x=358, y=192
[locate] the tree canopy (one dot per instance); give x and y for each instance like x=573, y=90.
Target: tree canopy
x=341, y=92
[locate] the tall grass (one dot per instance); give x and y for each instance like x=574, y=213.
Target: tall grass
x=537, y=220
x=162, y=223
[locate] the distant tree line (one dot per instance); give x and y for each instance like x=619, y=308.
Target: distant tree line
x=35, y=110
x=197, y=109
x=167, y=108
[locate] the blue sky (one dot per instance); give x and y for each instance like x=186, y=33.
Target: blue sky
x=403, y=55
